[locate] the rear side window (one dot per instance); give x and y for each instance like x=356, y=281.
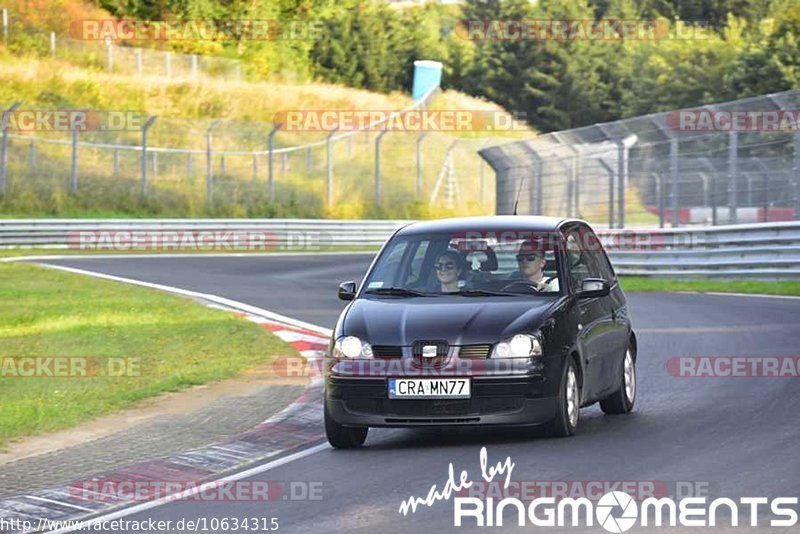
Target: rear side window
x=578, y=265
x=585, y=256
x=599, y=265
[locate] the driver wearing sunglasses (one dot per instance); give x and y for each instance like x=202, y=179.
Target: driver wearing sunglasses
x=531, y=262
x=448, y=271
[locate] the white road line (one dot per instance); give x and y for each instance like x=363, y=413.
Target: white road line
x=194, y=491
x=241, y=306
x=719, y=329
x=754, y=295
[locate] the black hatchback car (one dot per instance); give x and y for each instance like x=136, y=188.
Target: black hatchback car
x=506, y=320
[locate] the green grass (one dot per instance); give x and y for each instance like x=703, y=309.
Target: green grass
x=178, y=344
x=635, y=284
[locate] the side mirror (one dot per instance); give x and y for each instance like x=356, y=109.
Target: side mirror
x=347, y=290
x=594, y=287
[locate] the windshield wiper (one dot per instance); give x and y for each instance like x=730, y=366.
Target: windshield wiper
x=396, y=292
x=482, y=293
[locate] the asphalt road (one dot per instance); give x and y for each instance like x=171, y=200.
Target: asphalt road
x=735, y=436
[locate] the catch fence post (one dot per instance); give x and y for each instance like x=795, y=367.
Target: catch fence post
x=143, y=164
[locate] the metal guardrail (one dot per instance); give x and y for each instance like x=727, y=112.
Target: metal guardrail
x=769, y=250
x=105, y=234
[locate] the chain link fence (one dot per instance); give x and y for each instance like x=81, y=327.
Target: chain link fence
x=112, y=58
x=729, y=163
x=240, y=168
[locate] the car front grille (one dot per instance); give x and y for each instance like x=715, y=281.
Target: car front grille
x=474, y=351
x=464, y=351
x=387, y=351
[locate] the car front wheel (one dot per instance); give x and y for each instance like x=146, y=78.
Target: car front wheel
x=622, y=400
x=568, y=403
x=343, y=437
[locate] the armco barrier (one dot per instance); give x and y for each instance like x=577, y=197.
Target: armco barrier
x=279, y=233
x=770, y=250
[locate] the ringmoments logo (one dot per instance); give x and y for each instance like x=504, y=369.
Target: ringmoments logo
x=615, y=511
x=605, y=511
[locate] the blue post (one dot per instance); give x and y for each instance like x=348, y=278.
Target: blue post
x=427, y=75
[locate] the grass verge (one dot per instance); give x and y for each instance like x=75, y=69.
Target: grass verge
x=762, y=287
x=174, y=342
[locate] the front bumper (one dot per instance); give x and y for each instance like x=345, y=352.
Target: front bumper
x=495, y=401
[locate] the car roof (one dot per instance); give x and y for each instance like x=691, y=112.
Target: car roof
x=495, y=223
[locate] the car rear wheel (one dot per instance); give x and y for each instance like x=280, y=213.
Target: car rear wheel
x=622, y=400
x=568, y=403
x=344, y=437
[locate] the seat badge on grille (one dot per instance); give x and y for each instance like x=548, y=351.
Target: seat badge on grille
x=429, y=351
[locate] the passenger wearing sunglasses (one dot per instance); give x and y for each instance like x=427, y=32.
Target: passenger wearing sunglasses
x=448, y=271
x=531, y=261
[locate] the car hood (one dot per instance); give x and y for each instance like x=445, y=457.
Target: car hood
x=459, y=320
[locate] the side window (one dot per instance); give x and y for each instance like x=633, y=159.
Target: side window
x=387, y=272
x=577, y=259
x=600, y=267
x=586, y=257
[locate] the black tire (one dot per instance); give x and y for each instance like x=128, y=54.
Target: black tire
x=622, y=400
x=344, y=437
x=564, y=425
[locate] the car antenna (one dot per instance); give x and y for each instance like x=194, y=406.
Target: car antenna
x=516, y=202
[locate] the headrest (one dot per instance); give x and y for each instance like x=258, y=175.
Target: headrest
x=482, y=260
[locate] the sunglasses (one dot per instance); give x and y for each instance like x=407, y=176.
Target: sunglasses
x=445, y=266
x=528, y=257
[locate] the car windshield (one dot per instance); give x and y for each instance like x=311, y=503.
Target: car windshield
x=510, y=264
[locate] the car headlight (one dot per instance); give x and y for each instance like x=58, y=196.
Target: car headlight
x=519, y=346
x=351, y=347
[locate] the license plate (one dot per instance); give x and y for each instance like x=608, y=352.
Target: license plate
x=431, y=388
